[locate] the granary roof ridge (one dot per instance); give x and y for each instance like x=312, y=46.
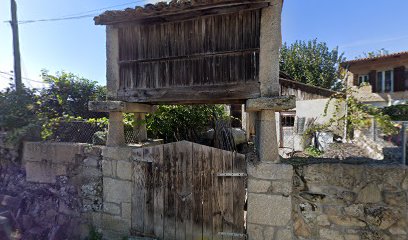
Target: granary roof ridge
x=160, y=8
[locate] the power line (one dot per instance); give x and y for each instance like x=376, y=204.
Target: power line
x=105, y=8
x=75, y=16
x=55, y=19
x=28, y=79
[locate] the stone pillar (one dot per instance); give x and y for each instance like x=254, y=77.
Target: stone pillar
x=116, y=130
x=112, y=62
x=270, y=43
x=140, y=127
x=266, y=138
x=269, y=183
x=269, y=201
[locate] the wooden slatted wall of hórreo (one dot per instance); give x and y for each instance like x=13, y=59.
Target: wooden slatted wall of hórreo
x=218, y=50
x=178, y=195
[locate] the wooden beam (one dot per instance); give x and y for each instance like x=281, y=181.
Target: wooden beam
x=192, y=56
x=227, y=93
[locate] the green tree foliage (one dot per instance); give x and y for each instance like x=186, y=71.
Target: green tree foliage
x=312, y=63
x=18, y=114
x=69, y=94
x=376, y=53
x=397, y=112
x=179, y=122
x=359, y=115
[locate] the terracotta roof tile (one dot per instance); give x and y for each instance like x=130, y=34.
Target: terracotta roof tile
x=162, y=8
x=367, y=59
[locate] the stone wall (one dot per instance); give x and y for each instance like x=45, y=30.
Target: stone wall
x=350, y=202
x=57, y=191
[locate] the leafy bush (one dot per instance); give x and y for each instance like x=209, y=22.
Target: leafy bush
x=359, y=115
x=68, y=94
x=313, y=152
x=397, y=112
x=18, y=115
x=180, y=122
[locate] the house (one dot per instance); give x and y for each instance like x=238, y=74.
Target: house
x=311, y=102
x=381, y=80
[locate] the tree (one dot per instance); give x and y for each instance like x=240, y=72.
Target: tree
x=312, y=63
x=69, y=94
x=372, y=54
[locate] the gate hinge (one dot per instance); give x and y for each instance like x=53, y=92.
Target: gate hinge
x=232, y=174
x=229, y=234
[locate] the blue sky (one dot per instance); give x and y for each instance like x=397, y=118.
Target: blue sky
x=78, y=46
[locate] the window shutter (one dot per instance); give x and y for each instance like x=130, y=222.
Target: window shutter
x=355, y=79
x=372, y=78
x=399, y=79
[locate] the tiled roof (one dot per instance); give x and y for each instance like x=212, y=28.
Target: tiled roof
x=164, y=8
x=361, y=60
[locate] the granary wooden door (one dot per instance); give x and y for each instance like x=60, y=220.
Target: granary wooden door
x=186, y=191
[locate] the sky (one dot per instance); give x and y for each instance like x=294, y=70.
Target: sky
x=78, y=46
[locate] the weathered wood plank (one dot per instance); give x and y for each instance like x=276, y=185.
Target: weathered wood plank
x=189, y=190
x=181, y=156
x=228, y=210
x=206, y=156
x=158, y=191
x=217, y=196
x=239, y=166
x=236, y=93
x=197, y=192
x=169, y=205
x=148, y=225
x=138, y=194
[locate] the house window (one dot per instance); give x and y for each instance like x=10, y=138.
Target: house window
x=287, y=120
x=362, y=79
x=385, y=81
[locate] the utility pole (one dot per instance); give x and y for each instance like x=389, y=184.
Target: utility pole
x=16, y=47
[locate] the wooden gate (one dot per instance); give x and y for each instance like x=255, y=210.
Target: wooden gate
x=185, y=190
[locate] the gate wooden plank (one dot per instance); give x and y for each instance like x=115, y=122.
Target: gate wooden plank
x=169, y=207
x=228, y=216
x=149, y=191
x=179, y=190
x=239, y=193
x=207, y=192
x=189, y=191
x=138, y=193
x=197, y=193
x=217, y=197
x=158, y=191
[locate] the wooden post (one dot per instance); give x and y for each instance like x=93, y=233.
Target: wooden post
x=16, y=47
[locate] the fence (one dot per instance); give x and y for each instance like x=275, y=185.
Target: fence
x=86, y=132
x=394, y=146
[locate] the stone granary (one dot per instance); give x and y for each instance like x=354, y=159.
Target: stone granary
x=194, y=52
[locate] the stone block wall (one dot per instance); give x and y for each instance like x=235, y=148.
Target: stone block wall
x=350, y=202
x=269, y=201
x=56, y=191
